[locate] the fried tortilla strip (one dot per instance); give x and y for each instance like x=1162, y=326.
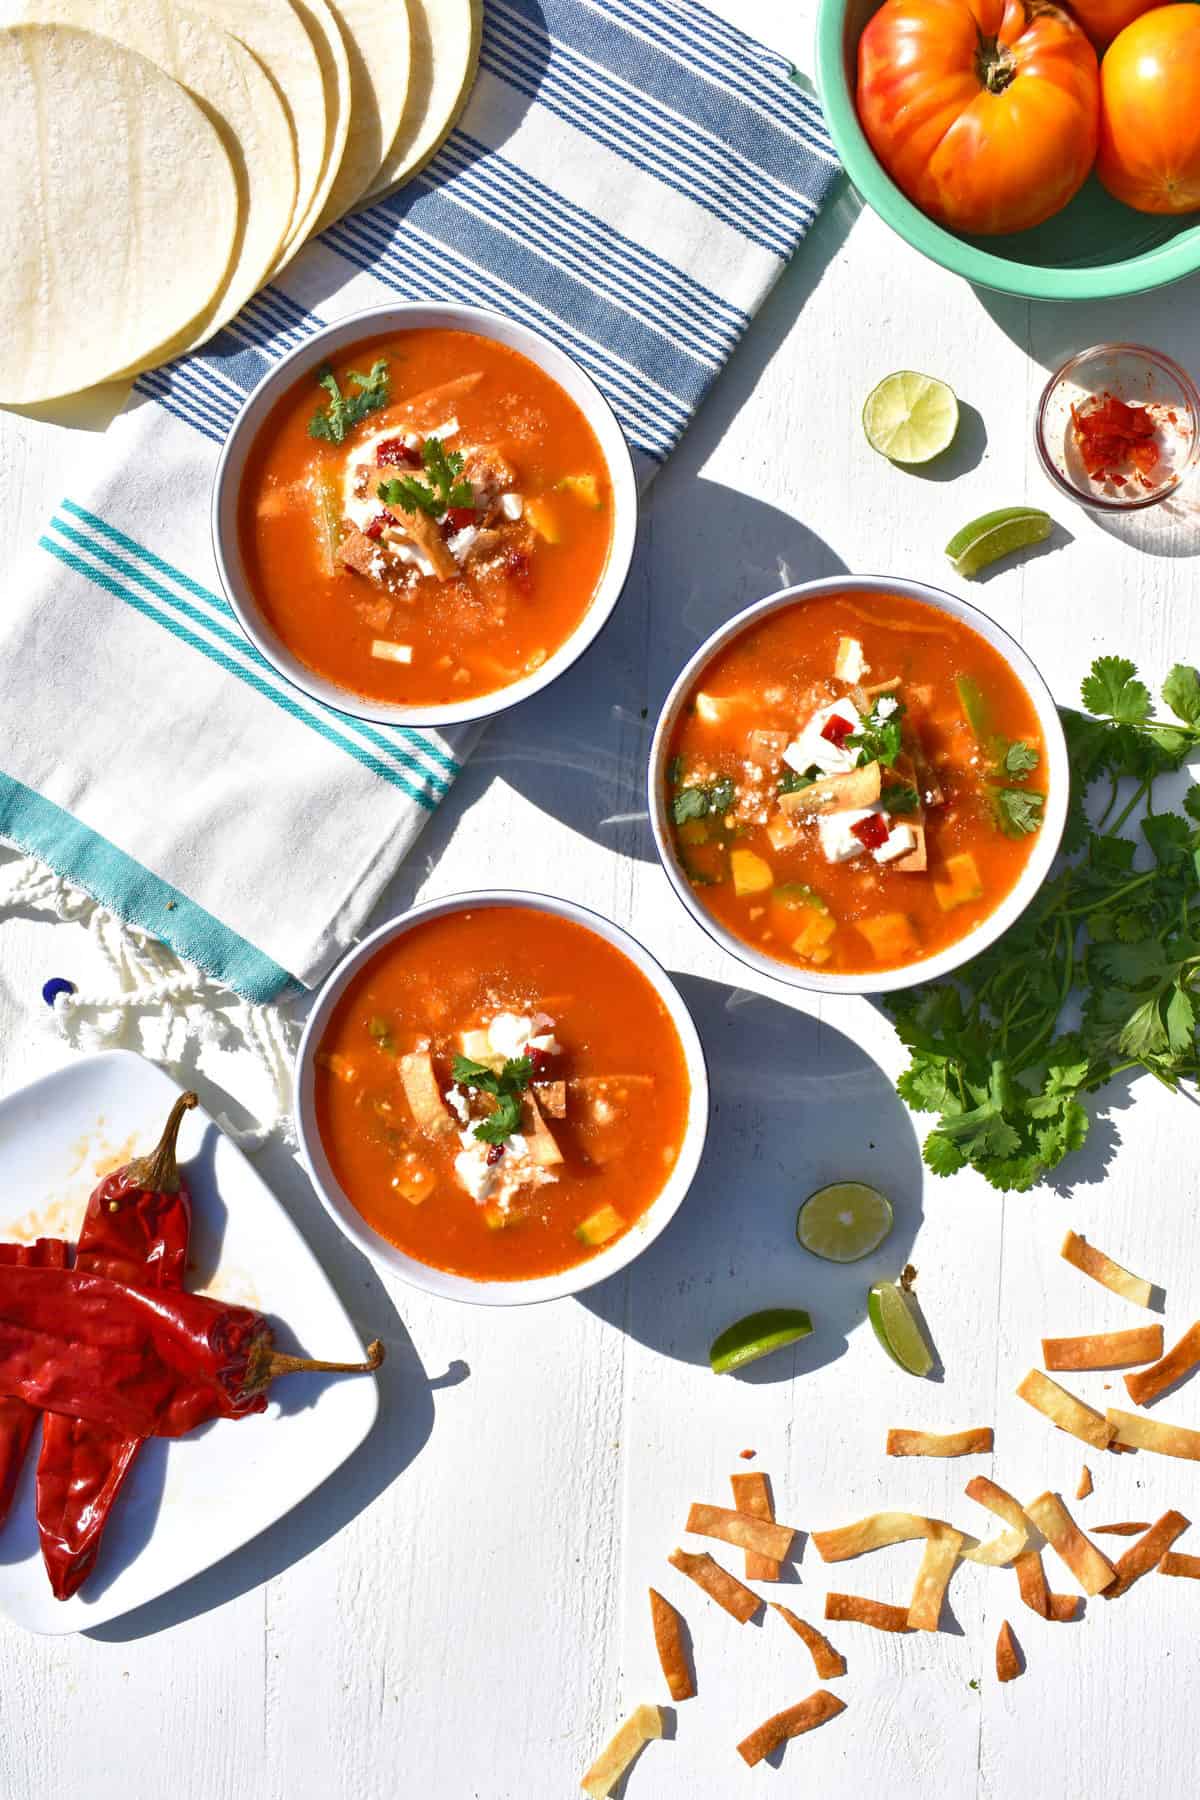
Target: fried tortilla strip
x=752, y=1494
x=1126, y=1528
x=1085, y=1483
x=835, y=793
x=1089, y=1261
x=942, y=1551
x=639, y=1728
x=856, y=1610
x=875, y=1532
x=1105, y=1349
x=1008, y=1656
x=672, y=1650
x=1136, y=1433
x=1009, y=1544
x=742, y=1529
x=1176, y=1563
x=1091, y=1570
x=717, y=1583
x=1179, y=1361
x=1064, y=1608
x=827, y=1661
x=1031, y=1582
x=1065, y=1410
x=976, y=1441
x=1147, y=1553
x=419, y=1079
x=818, y=1709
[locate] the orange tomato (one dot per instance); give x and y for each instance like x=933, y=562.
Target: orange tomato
x=1103, y=19
x=1150, y=112
x=985, y=112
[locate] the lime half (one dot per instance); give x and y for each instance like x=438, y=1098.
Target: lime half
x=910, y=418
x=993, y=535
x=894, y=1319
x=844, y=1221
x=757, y=1335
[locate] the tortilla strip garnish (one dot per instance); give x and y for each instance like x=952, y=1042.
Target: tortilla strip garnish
x=1105, y=1349
x=1009, y=1544
x=1089, y=1261
x=742, y=1529
x=976, y=1441
x=1138, y=1433
x=1127, y=1527
x=641, y=1725
x=1179, y=1361
x=942, y=1551
x=1091, y=1570
x=1176, y=1563
x=672, y=1651
x=875, y=1532
x=1085, y=1483
x=717, y=1583
x=1064, y=1608
x=1031, y=1581
x=827, y=1661
x=835, y=793
x=1008, y=1657
x=752, y=1494
x=1065, y=1410
x=856, y=1610
x=1147, y=1553
x=818, y=1709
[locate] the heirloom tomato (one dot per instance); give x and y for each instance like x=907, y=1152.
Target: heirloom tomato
x=1103, y=19
x=1150, y=120
x=985, y=112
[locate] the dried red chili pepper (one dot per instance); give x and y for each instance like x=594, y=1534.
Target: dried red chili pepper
x=135, y=1229
x=144, y=1363
x=17, y=1418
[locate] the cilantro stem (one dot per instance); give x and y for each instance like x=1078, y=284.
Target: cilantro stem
x=1093, y=906
x=1142, y=791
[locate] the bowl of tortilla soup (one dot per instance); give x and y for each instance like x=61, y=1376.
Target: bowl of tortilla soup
x=424, y=514
x=858, y=784
x=501, y=1097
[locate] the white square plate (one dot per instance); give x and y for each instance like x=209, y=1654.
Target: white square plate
x=189, y=1502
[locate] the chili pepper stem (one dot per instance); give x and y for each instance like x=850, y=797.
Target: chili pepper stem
x=266, y=1363
x=158, y=1173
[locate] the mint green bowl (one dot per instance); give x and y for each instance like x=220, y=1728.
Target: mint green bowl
x=1094, y=249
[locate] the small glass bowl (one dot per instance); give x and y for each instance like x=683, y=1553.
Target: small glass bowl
x=1141, y=377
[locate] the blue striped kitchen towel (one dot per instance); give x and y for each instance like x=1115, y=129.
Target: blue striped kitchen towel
x=630, y=177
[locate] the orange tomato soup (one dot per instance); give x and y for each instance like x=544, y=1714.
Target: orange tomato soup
x=500, y=1093
x=430, y=524
x=855, y=782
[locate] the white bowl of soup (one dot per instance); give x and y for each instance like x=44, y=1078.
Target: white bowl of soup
x=858, y=784
x=501, y=1097
x=424, y=514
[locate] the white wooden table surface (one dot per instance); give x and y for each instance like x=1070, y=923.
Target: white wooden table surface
x=462, y=1614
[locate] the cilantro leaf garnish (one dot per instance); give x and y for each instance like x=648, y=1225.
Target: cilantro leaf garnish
x=442, y=492
x=791, y=783
x=701, y=802
x=1020, y=759
x=1115, y=942
x=879, y=739
x=332, y=422
x=506, y=1088
x=899, y=797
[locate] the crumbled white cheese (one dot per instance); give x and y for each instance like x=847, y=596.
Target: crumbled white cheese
x=472, y=1169
x=810, y=750
x=512, y=505
x=900, y=840
x=456, y=1100
x=546, y=1042
x=406, y=552
x=443, y=431
x=509, y=1033
x=885, y=706
x=461, y=542
x=851, y=664
x=837, y=839
x=502, y=1180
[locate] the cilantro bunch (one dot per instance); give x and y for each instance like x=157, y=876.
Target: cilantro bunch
x=1115, y=943
x=344, y=412
x=506, y=1088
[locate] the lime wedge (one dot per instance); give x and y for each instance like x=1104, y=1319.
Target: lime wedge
x=910, y=418
x=894, y=1319
x=844, y=1221
x=993, y=535
x=757, y=1335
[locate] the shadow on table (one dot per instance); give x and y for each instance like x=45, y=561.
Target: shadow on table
x=795, y=1104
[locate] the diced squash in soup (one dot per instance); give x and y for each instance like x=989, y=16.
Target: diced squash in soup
x=501, y=1093
x=856, y=782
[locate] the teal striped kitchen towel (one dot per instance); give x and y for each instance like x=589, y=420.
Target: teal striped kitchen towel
x=630, y=178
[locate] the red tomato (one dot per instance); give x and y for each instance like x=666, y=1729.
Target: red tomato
x=1103, y=19
x=985, y=112
x=1150, y=112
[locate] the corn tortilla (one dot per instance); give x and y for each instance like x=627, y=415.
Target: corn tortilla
x=377, y=45
x=445, y=55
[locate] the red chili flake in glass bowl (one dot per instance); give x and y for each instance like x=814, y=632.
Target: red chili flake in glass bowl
x=1116, y=440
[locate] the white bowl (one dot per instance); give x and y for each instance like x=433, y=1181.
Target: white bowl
x=1041, y=855
x=385, y=1255
x=374, y=322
